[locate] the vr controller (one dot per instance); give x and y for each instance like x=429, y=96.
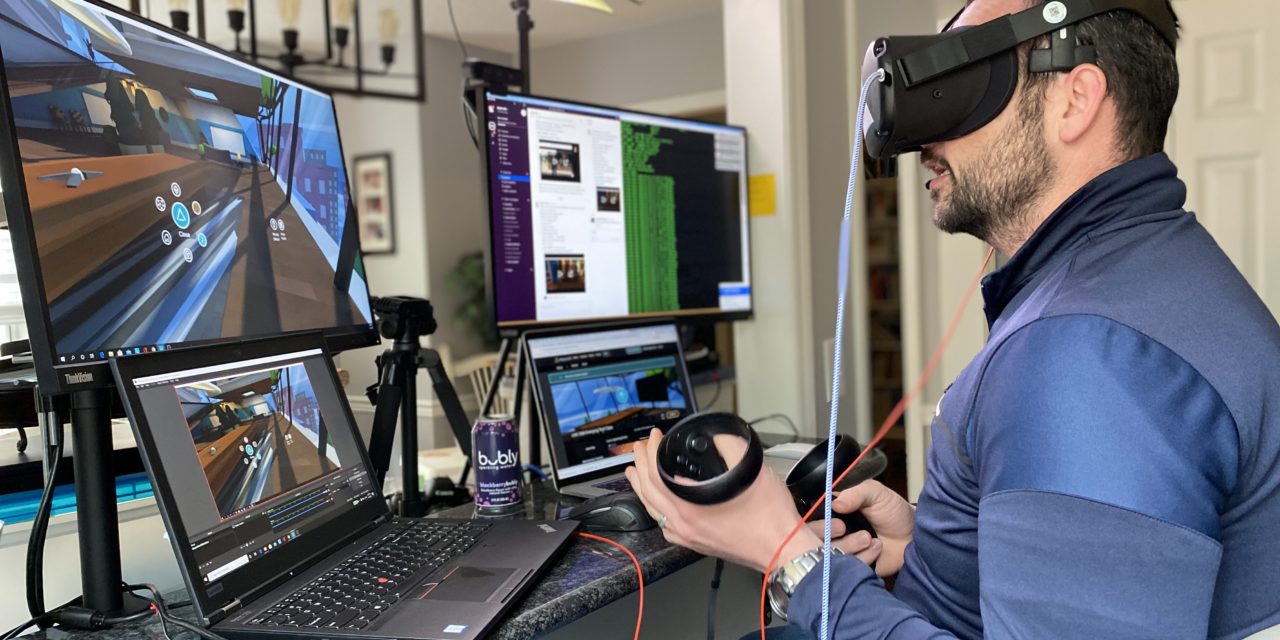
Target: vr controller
x=688, y=450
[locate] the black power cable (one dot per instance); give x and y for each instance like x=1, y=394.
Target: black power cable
x=457, y=34
x=715, y=395
x=780, y=418
x=39, y=530
x=167, y=618
x=711, y=605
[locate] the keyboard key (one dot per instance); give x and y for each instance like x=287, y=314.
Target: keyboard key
x=343, y=618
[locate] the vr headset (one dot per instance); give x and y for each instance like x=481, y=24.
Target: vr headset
x=943, y=86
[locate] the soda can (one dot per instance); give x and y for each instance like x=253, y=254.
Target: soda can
x=495, y=458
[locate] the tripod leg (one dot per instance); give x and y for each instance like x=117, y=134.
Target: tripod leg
x=448, y=397
x=384, y=417
x=413, y=505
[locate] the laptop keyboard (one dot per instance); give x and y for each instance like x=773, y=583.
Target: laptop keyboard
x=354, y=593
x=617, y=484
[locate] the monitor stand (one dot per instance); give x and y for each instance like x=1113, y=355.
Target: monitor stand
x=97, y=519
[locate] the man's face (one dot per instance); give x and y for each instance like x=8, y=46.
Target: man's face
x=989, y=178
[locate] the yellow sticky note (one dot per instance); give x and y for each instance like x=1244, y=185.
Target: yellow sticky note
x=762, y=194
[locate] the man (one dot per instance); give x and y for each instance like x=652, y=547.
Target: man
x=1109, y=465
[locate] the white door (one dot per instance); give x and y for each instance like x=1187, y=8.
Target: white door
x=1225, y=136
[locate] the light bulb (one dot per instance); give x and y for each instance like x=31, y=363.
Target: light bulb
x=598, y=5
x=343, y=10
x=178, y=5
x=388, y=25
x=290, y=11
x=235, y=5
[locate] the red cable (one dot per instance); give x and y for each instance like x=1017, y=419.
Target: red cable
x=897, y=412
x=639, y=575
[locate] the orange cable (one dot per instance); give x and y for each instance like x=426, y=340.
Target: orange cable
x=639, y=575
x=897, y=412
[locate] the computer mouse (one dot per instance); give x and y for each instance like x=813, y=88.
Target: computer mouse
x=614, y=512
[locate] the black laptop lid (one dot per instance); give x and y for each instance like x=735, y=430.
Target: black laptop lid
x=255, y=459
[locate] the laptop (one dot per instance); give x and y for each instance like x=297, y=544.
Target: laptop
x=602, y=390
x=278, y=524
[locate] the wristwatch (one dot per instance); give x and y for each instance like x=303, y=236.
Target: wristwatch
x=784, y=580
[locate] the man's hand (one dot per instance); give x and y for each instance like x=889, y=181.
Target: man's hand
x=891, y=515
x=859, y=544
x=745, y=530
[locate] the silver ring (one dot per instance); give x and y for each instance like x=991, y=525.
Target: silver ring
x=662, y=521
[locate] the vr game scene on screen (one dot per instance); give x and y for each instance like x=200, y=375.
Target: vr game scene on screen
x=257, y=435
x=175, y=194
x=604, y=414
x=616, y=400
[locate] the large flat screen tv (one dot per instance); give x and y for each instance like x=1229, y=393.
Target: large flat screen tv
x=161, y=192
x=599, y=213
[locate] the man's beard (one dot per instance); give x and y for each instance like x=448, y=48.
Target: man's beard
x=994, y=194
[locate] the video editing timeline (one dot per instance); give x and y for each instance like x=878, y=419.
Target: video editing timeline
x=602, y=213
x=176, y=195
x=604, y=392
x=255, y=452
x=266, y=528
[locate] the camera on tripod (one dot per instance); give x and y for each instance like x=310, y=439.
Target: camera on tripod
x=404, y=318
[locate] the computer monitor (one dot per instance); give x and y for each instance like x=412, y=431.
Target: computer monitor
x=161, y=192
x=601, y=213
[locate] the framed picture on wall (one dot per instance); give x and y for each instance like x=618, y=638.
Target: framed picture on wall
x=371, y=175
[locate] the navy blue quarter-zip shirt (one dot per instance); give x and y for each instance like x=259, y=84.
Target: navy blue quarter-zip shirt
x=1109, y=465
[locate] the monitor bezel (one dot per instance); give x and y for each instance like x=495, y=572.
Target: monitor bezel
x=513, y=329
x=17, y=217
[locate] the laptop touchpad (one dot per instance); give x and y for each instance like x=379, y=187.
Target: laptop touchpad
x=474, y=584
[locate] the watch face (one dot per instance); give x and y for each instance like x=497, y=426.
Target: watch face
x=786, y=578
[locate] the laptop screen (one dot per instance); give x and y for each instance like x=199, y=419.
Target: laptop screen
x=256, y=453
x=601, y=391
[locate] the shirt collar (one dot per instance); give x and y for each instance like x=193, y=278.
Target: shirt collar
x=1133, y=189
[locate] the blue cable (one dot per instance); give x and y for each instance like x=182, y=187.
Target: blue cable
x=845, y=233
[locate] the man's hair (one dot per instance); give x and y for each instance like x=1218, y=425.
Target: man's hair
x=1142, y=76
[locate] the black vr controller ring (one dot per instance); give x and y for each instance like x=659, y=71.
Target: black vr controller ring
x=688, y=450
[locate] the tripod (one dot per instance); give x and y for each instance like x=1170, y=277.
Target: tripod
x=404, y=320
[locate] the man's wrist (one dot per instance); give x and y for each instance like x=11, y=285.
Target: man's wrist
x=803, y=542
x=784, y=580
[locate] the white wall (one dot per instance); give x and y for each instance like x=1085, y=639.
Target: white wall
x=675, y=59
x=828, y=76
x=764, y=85
x=440, y=214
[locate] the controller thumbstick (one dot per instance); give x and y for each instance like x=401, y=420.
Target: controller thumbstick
x=698, y=444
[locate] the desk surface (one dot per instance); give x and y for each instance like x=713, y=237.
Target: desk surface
x=587, y=577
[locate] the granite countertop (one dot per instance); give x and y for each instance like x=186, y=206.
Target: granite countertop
x=588, y=576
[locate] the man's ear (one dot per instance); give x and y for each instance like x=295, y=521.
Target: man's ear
x=1079, y=102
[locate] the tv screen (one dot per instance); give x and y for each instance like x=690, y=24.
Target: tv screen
x=600, y=213
x=164, y=193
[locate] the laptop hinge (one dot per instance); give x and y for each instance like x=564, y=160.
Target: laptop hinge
x=221, y=614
